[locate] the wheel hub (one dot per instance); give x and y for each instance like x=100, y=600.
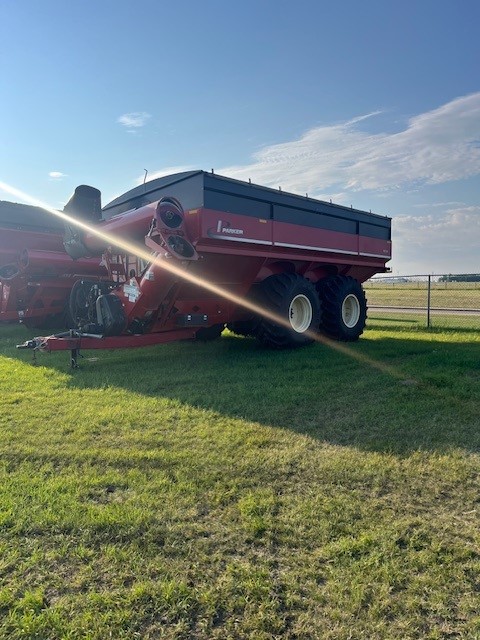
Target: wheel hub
x=350, y=311
x=300, y=313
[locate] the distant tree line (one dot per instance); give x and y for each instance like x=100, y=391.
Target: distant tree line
x=463, y=278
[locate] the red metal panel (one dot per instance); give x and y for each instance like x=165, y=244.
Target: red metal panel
x=60, y=263
x=375, y=248
x=14, y=241
x=311, y=238
x=131, y=225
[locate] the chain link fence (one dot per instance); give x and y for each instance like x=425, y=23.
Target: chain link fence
x=451, y=300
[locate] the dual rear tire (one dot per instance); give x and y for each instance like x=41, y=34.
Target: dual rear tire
x=344, y=307
x=296, y=310
x=292, y=309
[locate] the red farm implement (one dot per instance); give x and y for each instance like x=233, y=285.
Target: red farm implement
x=189, y=253
x=36, y=274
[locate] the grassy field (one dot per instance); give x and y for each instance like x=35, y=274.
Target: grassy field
x=223, y=491
x=418, y=320
x=451, y=295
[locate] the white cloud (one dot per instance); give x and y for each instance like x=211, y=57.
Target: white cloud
x=447, y=241
x=435, y=147
x=431, y=205
x=134, y=120
x=465, y=220
x=57, y=175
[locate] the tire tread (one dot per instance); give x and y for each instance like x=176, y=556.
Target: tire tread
x=332, y=292
x=275, y=291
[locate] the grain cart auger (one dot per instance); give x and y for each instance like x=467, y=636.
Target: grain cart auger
x=189, y=253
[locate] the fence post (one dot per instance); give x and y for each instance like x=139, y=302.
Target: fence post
x=428, y=300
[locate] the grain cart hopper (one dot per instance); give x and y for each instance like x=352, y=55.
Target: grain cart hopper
x=25, y=227
x=36, y=274
x=212, y=242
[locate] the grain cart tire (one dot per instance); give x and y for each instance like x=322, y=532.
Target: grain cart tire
x=344, y=307
x=78, y=302
x=68, y=320
x=294, y=299
x=206, y=334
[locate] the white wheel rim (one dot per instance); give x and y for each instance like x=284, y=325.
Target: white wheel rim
x=300, y=313
x=350, y=311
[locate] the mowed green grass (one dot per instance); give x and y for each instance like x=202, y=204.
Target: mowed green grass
x=447, y=295
x=224, y=491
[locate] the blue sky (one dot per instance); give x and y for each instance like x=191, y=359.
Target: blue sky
x=374, y=104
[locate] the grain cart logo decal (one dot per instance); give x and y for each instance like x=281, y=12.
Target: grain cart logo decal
x=224, y=229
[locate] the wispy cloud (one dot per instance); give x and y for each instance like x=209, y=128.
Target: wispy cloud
x=56, y=175
x=134, y=120
x=451, y=219
x=447, y=241
x=434, y=147
x=442, y=205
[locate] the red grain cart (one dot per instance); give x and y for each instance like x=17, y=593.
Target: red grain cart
x=36, y=274
x=212, y=242
x=35, y=289
x=25, y=227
